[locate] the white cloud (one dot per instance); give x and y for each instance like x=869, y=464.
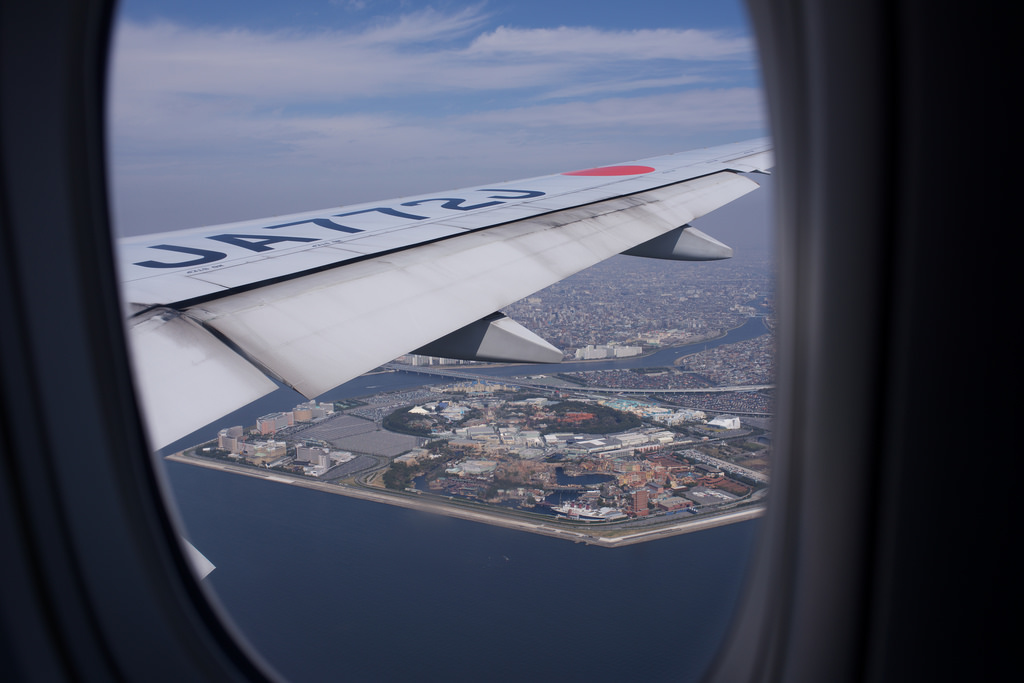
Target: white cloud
x=735, y=108
x=584, y=43
x=610, y=86
x=413, y=54
x=204, y=121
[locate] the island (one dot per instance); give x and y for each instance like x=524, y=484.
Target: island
x=569, y=456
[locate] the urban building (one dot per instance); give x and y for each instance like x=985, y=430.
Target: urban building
x=725, y=422
x=640, y=499
x=268, y=424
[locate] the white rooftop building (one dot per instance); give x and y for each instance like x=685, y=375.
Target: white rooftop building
x=726, y=422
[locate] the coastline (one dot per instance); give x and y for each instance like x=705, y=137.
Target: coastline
x=608, y=537
x=595, y=533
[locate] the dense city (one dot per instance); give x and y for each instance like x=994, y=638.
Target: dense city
x=618, y=435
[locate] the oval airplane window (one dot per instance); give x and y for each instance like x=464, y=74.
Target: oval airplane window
x=371, y=488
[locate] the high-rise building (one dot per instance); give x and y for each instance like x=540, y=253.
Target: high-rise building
x=268, y=424
x=227, y=439
x=640, y=500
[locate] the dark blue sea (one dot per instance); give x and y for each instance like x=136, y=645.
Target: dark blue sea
x=331, y=588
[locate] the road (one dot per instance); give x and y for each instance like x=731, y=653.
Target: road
x=609, y=537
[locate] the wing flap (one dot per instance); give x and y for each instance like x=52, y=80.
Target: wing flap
x=759, y=162
x=184, y=375
x=325, y=328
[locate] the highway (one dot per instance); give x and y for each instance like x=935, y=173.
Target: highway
x=464, y=376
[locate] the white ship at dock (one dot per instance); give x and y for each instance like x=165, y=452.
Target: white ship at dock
x=574, y=510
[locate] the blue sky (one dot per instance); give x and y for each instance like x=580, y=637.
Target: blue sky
x=227, y=111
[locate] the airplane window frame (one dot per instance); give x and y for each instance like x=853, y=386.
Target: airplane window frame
x=107, y=581
x=95, y=587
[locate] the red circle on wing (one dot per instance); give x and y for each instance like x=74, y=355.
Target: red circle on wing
x=613, y=170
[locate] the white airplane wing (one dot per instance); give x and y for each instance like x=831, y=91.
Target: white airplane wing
x=312, y=300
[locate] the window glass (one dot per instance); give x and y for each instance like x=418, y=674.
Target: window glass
x=235, y=111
